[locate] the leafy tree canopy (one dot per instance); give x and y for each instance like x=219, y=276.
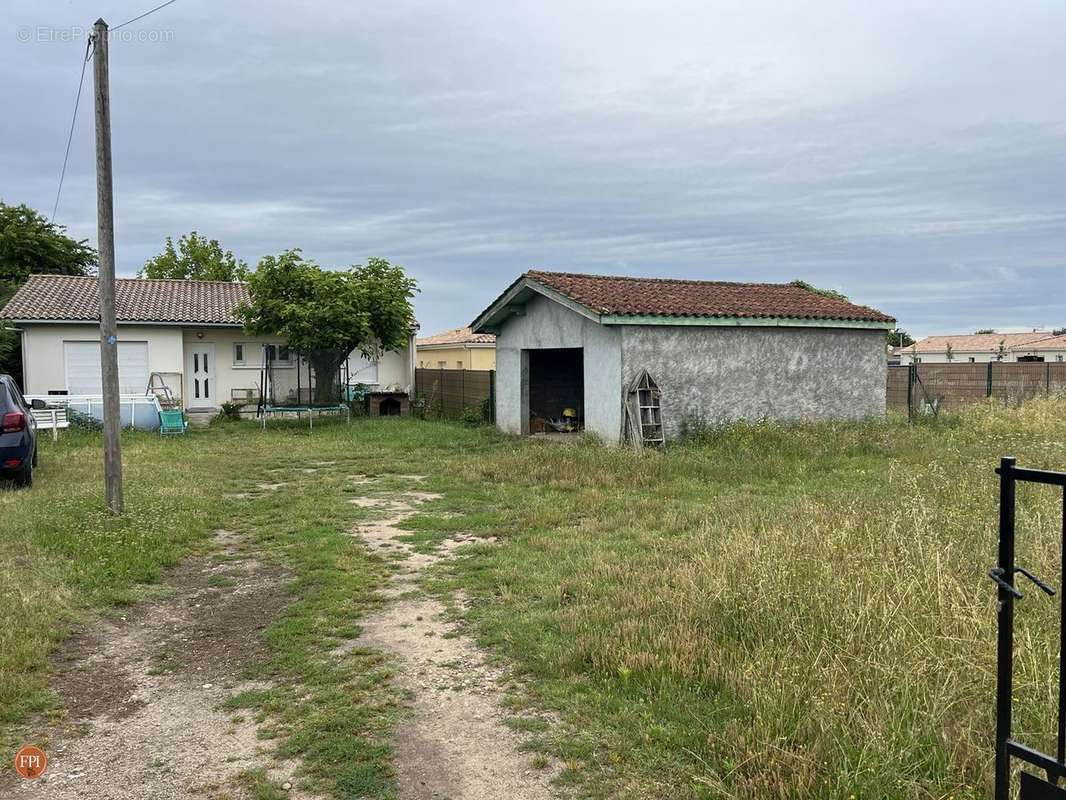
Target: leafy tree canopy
x=195, y=258
x=824, y=292
x=327, y=314
x=31, y=245
x=984, y=331
x=898, y=337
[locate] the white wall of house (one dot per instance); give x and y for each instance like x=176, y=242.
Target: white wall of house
x=983, y=357
x=64, y=357
x=234, y=379
x=1054, y=356
x=230, y=380
x=396, y=368
x=49, y=350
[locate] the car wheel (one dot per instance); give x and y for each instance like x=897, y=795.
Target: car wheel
x=25, y=475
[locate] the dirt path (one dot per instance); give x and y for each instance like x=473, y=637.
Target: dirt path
x=454, y=745
x=144, y=692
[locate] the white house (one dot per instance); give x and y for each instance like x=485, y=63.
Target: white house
x=980, y=348
x=187, y=331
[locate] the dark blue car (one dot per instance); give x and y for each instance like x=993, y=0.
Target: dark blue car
x=18, y=434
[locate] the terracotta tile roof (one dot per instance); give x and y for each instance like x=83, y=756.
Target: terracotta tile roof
x=457, y=336
x=687, y=298
x=977, y=342
x=65, y=298
x=1051, y=343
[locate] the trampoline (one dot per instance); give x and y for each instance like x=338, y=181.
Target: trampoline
x=286, y=388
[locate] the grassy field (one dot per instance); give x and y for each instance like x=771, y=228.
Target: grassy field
x=768, y=612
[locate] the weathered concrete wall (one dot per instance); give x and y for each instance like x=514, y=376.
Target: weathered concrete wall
x=719, y=374
x=547, y=324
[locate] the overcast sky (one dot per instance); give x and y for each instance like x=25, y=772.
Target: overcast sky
x=909, y=154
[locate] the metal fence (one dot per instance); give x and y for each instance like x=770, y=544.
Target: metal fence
x=935, y=387
x=453, y=392
x=135, y=410
x=1003, y=574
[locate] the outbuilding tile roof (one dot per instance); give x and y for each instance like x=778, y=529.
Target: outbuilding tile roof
x=70, y=298
x=661, y=297
x=457, y=336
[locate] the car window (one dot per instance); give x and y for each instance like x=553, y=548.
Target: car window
x=17, y=394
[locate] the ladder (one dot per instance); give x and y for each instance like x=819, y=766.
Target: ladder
x=651, y=413
x=157, y=388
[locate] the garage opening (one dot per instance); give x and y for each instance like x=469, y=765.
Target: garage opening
x=82, y=364
x=556, y=390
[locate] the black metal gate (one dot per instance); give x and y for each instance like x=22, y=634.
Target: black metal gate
x=1032, y=787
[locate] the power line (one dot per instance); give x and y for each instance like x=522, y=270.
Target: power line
x=77, y=99
x=73, y=120
x=145, y=14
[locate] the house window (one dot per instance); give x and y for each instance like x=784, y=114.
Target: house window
x=973, y=360
x=442, y=364
x=1058, y=357
x=278, y=354
x=361, y=369
x=458, y=364
x=238, y=354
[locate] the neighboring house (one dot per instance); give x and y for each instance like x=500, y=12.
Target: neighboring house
x=718, y=351
x=460, y=348
x=185, y=330
x=981, y=348
x=1051, y=349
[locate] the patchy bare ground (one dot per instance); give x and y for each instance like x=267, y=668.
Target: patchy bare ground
x=144, y=692
x=455, y=744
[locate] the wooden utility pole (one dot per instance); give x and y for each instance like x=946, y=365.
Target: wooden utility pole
x=105, y=221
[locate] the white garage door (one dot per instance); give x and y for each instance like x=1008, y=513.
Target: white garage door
x=83, y=367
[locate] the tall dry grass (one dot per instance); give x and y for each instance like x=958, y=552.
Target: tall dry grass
x=780, y=612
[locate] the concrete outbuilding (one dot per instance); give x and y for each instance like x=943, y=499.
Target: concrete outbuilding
x=718, y=352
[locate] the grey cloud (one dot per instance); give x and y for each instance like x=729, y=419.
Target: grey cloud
x=909, y=156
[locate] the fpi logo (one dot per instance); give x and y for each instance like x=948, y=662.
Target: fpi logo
x=31, y=762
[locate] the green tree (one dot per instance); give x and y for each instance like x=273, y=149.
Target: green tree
x=984, y=331
x=897, y=337
x=195, y=258
x=31, y=245
x=833, y=293
x=326, y=314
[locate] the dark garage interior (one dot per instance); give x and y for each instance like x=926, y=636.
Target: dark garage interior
x=556, y=385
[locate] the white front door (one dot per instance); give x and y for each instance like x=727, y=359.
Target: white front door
x=200, y=367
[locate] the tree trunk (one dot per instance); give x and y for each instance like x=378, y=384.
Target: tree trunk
x=325, y=363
